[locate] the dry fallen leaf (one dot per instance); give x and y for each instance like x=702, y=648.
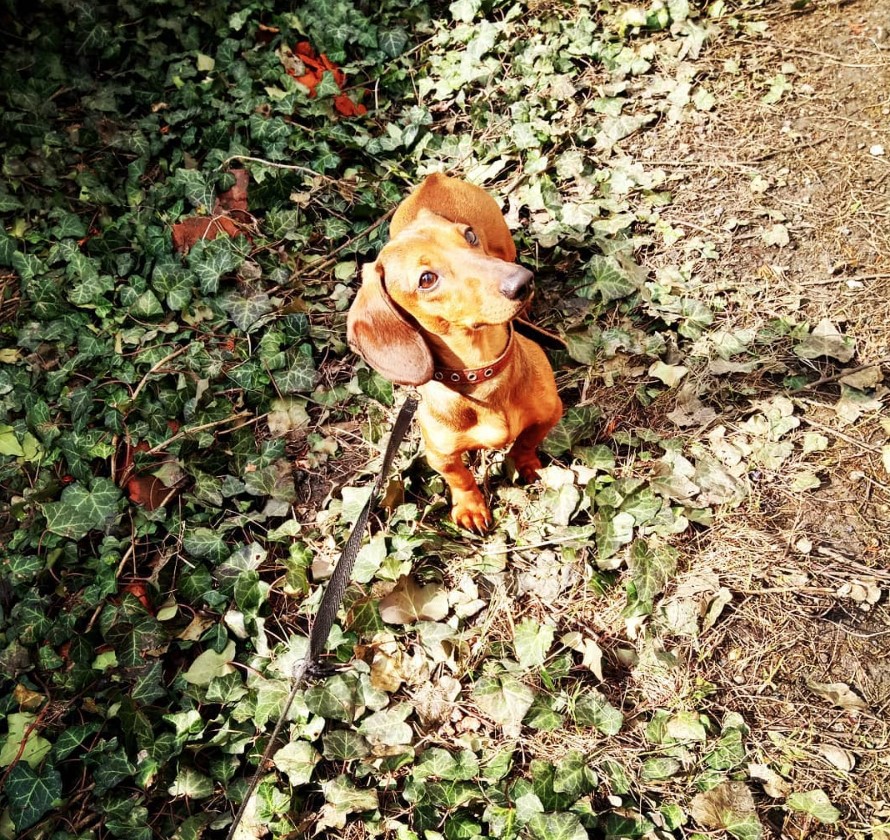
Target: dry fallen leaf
x=773, y=784
x=410, y=602
x=839, y=694
x=727, y=804
x=837, y=757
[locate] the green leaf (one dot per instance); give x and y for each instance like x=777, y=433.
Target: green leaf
x=246, y=312
x=387, y=727
x=558, y=826
x=300, y=377
x=211, y=259
x=592, y=709
x=815, y=803
x=503, y=698
x=205, y=542
x=343, y=745
x=80, y=511
x=393, y=41
x=72, y=738
x=22, y=743
x=532, y=641
x=465, y=10
x=610, y=282
x=191, y=784
x=9, y=443
x=30, y=794
x=338, y=698
x=612, y=532
x=651, y=568
x=297, y=760
x=211, y=664
x=573, y=776
x=657, y=769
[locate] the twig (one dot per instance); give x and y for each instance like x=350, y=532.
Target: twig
x=192, y=429
x=835, y=376
x=839, y=278
x=855, y=634
x=155, y=368
x=851, y=440
x=332, y=255
x=292, y=167
x=24, y=742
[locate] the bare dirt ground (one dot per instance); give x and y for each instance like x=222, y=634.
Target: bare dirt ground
x=802, y=566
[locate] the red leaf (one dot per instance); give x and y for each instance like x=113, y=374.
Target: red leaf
x=234, y=198
x=348, y=108
x=187, y=232
x=146, y=490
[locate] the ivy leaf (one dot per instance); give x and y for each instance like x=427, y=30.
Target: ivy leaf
x=342, y=798
x=338, y=698
x=393, y=41
x=532, y=641
x=30, y=794
x=728, y=806
x=72, y=738
x=343, y=745
x=297, y=760
x=80, y=511
x=815, y=803
x=659, y=768
x=205, y=542
x=557, y=826
x=245, y=312
x=610, y=282
x=573, y=776
x=465, y=10
x=211, y=664
x=826, y=340
x=9, y=444
x=30, y=747
x=651, y=568
x=387, y=727
x=593, y=709
x=612, y=532
x=298, y=378
x=503, y=698
x=191, y=784
x=410, y=602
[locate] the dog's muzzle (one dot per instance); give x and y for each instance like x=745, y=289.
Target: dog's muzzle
x=517, y=284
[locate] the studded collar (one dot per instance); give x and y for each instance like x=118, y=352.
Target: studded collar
x=473, y=376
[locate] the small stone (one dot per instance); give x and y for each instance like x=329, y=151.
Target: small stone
x=877, y=150
x=803, y=545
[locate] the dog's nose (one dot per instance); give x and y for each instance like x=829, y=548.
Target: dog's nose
x=517, y=283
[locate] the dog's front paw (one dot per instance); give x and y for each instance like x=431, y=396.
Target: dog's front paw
x=527, y=467
x=471, y=512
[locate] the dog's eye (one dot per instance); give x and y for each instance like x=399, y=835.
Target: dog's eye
x=428, y=280
x=470, y=236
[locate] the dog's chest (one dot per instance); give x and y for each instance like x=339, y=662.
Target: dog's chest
x=457, y=421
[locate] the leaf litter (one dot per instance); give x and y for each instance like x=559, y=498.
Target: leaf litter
x=488, y=644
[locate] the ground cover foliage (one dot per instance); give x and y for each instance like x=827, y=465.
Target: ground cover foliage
x=175, y=388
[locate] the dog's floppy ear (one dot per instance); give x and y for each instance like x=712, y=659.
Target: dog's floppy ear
x=383, y=337
x=461, y=202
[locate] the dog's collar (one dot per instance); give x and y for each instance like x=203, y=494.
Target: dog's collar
x=473, y=376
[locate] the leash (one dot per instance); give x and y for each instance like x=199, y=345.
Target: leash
x=331, y=599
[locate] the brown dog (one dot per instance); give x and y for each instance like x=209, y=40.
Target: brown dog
x=435, y=310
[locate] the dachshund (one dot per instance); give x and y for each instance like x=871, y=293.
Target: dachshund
x=436, y=310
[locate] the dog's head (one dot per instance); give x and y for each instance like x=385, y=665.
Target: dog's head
x=448, y=266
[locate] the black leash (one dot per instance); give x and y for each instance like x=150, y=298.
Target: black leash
x=330, y=601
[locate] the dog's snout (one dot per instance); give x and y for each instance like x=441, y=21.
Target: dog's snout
x=517, y=283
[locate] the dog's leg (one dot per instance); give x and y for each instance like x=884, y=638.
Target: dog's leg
x=468, y=508
x=524, y=453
